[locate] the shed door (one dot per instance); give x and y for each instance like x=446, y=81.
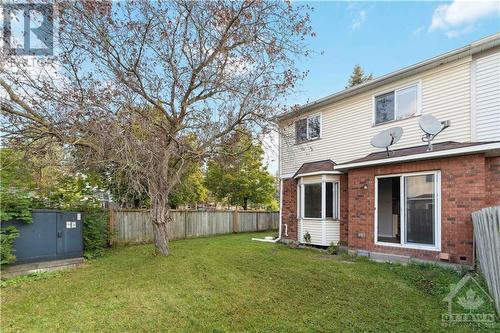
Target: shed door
x=36, y=239
x=69, y=235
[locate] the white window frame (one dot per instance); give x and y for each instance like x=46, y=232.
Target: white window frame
x=437, y=212
x=417, y=84
x=307, y=128
x=335, y=207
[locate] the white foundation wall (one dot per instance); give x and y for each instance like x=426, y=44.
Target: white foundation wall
x=323, y=232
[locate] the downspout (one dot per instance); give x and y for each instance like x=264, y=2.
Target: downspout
x=280, y=220
x=281, y=201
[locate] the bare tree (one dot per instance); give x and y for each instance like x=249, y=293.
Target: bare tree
x=150, y=87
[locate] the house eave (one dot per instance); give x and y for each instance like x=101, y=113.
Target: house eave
x=316, y=173
x=463, y=52
x=492, y=149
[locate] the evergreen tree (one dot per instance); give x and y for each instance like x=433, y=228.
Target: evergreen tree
x=358, y=76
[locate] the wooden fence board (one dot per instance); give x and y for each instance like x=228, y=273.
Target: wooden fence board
x=134, y=226
x=487, y=237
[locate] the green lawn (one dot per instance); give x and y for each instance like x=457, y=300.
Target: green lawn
x=229, y=284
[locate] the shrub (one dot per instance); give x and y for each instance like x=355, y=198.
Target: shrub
x=333, y=249
x=7, y=236
x=15, y=205
x=307, y=237
x=95, y=232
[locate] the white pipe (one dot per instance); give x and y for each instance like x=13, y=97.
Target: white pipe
x=280, y=220
x=281, y=199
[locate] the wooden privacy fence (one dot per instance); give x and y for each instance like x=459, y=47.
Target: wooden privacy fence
x=134, y=226
x=487, y=236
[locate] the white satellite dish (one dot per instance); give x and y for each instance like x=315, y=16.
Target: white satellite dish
x=432, y=127
x=387, y=138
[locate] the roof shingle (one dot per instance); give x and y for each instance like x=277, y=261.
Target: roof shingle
x=417, y=150
x=319, y=166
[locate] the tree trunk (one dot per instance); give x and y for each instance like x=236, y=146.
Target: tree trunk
x=160, y=216
x=245, y=203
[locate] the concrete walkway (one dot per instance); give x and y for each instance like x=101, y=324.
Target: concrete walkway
x=37, y=267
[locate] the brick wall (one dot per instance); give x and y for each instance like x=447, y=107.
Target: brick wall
x=493, y=181
x=289, y=208
x=463, y=190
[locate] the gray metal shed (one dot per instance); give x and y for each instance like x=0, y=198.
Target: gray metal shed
x=53, y=234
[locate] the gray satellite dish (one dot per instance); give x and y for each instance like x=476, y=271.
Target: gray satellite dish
x=432, y=127
x=387, y=138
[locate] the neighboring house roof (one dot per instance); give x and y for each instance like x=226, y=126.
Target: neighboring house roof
x=442, y=149
x=318, y=167
x=468, y=50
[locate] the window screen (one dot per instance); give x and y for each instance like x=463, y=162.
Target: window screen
x=329, y=200
x=301, y=130
x=312, y=200
x=384, y=108
x=420, y=202
x=314, y=127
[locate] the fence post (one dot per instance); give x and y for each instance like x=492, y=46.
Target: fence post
x=236, y=222
x=185, y=224
x=257, y=221
x=110, y=226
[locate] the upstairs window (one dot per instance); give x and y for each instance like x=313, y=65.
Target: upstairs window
x=308, y=129
x=397, y=104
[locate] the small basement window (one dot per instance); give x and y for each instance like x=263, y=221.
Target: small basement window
x=396, y=104
x=308, y=129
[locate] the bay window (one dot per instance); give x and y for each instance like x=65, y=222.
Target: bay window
x=320, y=200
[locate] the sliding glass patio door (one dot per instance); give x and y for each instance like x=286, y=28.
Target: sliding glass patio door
x=408, y=210
x=420, y=213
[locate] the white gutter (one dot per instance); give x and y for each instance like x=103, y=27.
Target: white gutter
x=422, y=156
x=454, y=55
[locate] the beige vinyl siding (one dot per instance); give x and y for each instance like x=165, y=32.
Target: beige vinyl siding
x=487, y=97
x=347, y=124
x=314, y=228
x=314, y=179
x=332, y=232
x=322, y=232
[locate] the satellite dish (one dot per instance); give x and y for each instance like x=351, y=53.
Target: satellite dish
x=429, y=124
x=432, y=127
x=387, y=138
